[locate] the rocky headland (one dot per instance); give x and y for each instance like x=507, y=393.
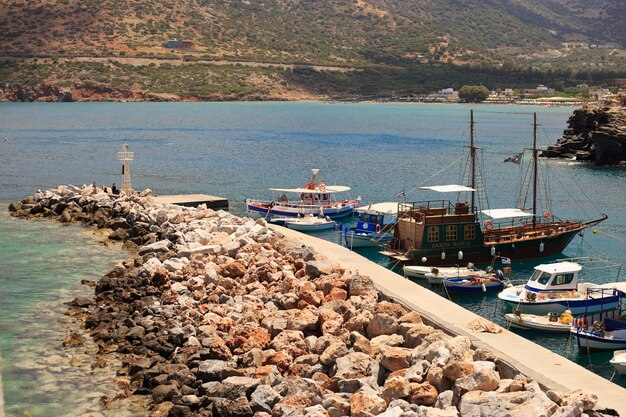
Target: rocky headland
x=217, y=315
x=595, y=134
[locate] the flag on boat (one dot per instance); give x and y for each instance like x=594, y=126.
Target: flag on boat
x=401, y=194
x=516, y=159
x=506, y=261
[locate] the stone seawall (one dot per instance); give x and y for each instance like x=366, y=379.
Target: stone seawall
x=220, y=315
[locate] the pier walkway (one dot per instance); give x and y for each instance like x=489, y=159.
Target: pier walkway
x=549, y=369
x=194, y=200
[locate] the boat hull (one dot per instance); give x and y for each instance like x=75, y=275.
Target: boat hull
x=309, y=227
x=577, y=307
x=619, y=362
x=265, y=209
x=589, y=341
x=372, y=240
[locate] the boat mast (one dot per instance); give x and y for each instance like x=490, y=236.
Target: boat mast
x=472, y=158
x=535, y=153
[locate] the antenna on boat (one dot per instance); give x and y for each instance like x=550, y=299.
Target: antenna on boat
x=535, y=154
x=473, y=158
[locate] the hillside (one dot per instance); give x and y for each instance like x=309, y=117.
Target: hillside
x=360, y=34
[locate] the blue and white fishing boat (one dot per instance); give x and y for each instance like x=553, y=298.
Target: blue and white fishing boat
x=474, y=285
x=606, y=335
x=555, y=287
x=315, y=198
x=374, y=227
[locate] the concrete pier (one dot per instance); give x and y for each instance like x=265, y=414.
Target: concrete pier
x=194, y=200
x=549, y=369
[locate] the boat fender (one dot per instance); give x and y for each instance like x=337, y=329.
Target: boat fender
x=488, y=225
x=378, y=228
x=483, y=287
x=531, y=296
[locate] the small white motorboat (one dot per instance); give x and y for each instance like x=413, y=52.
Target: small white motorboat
x=619, y=361
x=556, y=287
x=436, y=275
x=310, y=223
x=551, y=322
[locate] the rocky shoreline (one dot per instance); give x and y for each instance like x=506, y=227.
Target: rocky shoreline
x=87, y=92
x=217, y=315
x=595, y=134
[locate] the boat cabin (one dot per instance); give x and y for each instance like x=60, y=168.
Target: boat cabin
x=559, y=276
x=437, y=226
x=315, y=198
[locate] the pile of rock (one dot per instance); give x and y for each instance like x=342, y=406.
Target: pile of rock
x=594, y=134
x=218, y=315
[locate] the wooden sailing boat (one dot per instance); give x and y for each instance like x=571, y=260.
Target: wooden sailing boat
x=443, y=233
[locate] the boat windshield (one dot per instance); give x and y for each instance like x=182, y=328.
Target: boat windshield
x=540, y=277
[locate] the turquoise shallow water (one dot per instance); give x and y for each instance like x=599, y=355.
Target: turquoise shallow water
x=239, y=150
x=42, y=264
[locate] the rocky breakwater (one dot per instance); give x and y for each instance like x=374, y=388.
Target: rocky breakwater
x=217, y=315
x=593, y=134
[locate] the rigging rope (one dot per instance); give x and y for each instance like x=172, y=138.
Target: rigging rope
x=571, y=174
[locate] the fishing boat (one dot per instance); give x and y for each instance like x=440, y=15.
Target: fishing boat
x=315, y=198
x=608, y=334
x=619, y=361
x=438, y=232
x=555, y=287
x=374, y=226
x=309, y=223
x=436, y=275
x=473, y=285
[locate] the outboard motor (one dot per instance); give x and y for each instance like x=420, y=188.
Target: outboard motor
x=553, y=317
x=499, y=274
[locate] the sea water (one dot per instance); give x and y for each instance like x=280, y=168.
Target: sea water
x=239, y=150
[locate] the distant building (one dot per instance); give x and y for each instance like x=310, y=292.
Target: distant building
x=598, y=94
x=176, y=44
x=540, y=90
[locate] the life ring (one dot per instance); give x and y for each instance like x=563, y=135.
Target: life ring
x=488, y=225
x=378, y=228
x=581, y=322
x=309, y=186
x=323, y=188
x=547, y=215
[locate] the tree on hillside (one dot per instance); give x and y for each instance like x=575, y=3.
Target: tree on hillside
x=474, y=93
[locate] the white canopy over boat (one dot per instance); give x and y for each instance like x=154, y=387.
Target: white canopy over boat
x=450, y=188
x=387, y=207
x=330, y=189
x=506, y=213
